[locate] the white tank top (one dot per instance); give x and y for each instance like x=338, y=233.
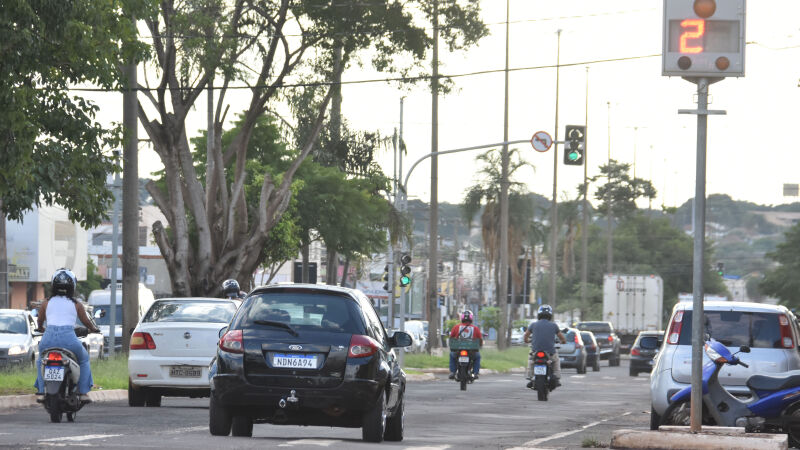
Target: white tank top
x=61, y=312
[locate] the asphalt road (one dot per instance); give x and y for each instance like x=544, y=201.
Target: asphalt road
x=497, y=411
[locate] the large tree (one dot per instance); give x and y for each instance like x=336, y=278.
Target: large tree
x=54, y=150
x=268, y=46
x=783, y=281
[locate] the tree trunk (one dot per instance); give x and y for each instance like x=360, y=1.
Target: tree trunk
x=344, y=272
x=304, y=277
x=4, y=297
x=333, y=267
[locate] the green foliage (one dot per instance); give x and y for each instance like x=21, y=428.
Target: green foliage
x=92, y=282
x=450, y=323
x=53, y=149
x=489, y=317
x=620, y=191
x=491, y=359
x=111, y=373
x=783, y=281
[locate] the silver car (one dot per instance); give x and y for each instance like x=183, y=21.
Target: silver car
x=19, y=342
x=573, y=352
x=769, y=330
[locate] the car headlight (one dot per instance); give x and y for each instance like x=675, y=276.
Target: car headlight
x=17, y=350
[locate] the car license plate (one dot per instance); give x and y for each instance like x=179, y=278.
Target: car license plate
x=185, y=371
x=464, y=359
x=53, y=373
x=540, y=370
x=290, y=361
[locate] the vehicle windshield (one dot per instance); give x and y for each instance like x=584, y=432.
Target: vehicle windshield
x=190, y=311
x=595, y=327
x=737, y=328
x=304, y=311
x=106, y=319
x=13, y=324
x=586, y=337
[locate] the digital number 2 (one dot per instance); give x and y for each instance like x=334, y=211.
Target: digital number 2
x=693, y=29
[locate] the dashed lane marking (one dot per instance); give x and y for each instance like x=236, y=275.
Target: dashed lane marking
x=85, y=437
x=536, y=442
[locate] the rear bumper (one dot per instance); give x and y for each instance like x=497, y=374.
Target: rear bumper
x=663, y=386
x=572, y=359
x=152, y=371
x=641, y=364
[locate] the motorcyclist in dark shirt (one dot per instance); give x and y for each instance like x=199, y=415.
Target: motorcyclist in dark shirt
x=542, y=336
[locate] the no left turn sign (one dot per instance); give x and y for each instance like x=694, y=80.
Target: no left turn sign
x=541, y=141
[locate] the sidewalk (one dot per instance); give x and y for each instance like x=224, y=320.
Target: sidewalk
x=26, y=401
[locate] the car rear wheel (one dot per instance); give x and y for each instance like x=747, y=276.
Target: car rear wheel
x=395, y=424
x=373, y=425
x=655, y=419
x=582, y=368
x=613, y=361
x=219, y=418
x=136, y=396
x=152, y=399
x=242, y=426
x=596, y=365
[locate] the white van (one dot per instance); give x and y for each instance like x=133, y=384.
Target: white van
x=100, y=299
x=418, y=332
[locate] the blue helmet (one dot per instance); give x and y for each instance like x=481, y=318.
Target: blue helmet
x=545, y=312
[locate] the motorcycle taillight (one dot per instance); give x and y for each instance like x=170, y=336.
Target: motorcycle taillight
x=464, y=353
x=540, y=355
x=54, y=356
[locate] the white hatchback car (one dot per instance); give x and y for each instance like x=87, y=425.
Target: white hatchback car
x=172, y=347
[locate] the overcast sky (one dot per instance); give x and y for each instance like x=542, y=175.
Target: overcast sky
x=752, y=150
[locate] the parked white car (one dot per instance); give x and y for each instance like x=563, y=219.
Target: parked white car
x=100, y=301
x=172, y=347
x=19, y=343
x=416, y=328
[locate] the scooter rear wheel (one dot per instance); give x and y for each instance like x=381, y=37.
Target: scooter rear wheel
x=677, y=414
x=541, y=388
x=793, y=431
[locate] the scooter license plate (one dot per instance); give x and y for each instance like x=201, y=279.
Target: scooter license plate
x=53, y=373
x=463, y=359
x=540, y=370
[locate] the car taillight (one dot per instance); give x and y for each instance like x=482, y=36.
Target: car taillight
x=786, y=332
x=464, y=353
x=611, y=339
x=578, y=341
x=361, y=346
x=635, y=351
x=540, y=355
x=231, y=342
x=675, y=329
x=142, y=341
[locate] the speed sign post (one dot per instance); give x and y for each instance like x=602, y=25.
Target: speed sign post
x=703, y=42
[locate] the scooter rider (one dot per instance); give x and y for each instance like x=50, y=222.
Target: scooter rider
x=61, y=311
x=466, y=330
x=541, y=334
x=231, y=289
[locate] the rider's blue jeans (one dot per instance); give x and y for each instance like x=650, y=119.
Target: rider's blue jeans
x=476, y=367
x=64, y=337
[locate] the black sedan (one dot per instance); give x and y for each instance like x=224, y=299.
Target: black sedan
x=643, y=351
x=592, y=350
x=301, y=354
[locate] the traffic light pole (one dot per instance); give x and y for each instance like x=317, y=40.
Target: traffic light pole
x=699, y=220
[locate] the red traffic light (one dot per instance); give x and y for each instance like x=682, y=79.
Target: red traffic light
x=705, y=8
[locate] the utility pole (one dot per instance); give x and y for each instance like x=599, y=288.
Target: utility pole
x=502, y=296
x=4, y=301
x=112, y=310
x=433, y=254
x=554, y=211
x=402, y=352
x=130, y=208
x=609, y=205
x=584, y=209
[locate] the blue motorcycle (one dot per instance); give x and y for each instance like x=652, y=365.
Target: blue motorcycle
x=774, y=404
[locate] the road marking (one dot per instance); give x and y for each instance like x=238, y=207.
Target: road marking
x=186, y=430
x=536, y=442
x=609, y=378
x=317, y=442
x=577, y=376
x=85, y=437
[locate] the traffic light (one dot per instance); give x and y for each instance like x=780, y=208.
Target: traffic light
x=720, y=268
x=405, y=271
x=385, y=277
x=575, y=145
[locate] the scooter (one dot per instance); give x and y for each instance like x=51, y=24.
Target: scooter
x=542, y=381
x=774, y=404
x=60, y=372
x=466, y=349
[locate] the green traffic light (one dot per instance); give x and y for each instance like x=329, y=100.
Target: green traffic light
x=573, y=156
x=405, y=280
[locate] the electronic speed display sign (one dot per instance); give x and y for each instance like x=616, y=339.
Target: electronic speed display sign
x=703, y=38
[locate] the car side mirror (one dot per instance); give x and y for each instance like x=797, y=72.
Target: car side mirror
x=400, y=339
x=36, y=333
x=222, y=331
x=100, y=313
x=744, y=349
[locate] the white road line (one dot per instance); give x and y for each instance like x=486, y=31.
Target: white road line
x=609, y=378
x=186, y=430
x=317, y=442
x=577, y=376
x=85, y=437
x=536, y=442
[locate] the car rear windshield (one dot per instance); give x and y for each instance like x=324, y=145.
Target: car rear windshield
x=13, y=324
x=586, y=337
x=304, y=311
x=737, y=328
x=648, y=342
x=595, y=327
x=183, y=311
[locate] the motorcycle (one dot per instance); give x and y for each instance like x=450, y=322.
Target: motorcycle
x=60, y=372
x=542, y=378
x=774, y=404
x=466, y=349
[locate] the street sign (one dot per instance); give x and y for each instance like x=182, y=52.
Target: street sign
x=541, y=141
x=703, y=38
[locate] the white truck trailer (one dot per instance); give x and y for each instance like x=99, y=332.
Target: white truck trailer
x=633, y=303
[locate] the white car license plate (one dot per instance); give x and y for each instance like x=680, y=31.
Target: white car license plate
x=53, y=373
x=540, y=370
x=290, y=361
x=463, y=359
x=185, y=371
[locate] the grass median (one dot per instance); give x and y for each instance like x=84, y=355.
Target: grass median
x=110, y=373
x=493, y=359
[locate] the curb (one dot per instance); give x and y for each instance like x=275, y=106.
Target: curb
x=674, y=437
x=26, y=401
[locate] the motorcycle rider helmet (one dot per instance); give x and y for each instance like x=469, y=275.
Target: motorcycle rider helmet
x=63, y=283
x=467, y=316
x=230, y=288
x=545, y=312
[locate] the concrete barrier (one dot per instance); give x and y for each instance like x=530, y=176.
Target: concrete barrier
x=26, y=401
x=675, y=437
